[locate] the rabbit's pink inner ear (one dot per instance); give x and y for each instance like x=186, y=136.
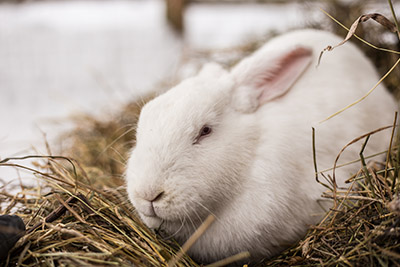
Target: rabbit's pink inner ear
x=287, y=69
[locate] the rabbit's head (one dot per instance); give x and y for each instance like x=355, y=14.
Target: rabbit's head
x=196, y=142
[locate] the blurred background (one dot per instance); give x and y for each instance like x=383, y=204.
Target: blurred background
x=62, y=59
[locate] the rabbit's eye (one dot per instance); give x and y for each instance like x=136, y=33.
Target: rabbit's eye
x=206, y=130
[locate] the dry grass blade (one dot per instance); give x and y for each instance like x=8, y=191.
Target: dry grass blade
x=363, y=18
x=394, y=17
x=54, y=215
x=189, y=243
x=366, y=95
x=384, y=22
x=230, y=260
x=352, y=142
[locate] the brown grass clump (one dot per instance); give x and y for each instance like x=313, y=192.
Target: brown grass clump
x=363, y=229
x=70, y=222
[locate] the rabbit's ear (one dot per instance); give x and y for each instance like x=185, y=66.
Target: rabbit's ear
x=260, y=80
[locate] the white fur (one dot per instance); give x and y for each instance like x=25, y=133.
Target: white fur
x=255, y=171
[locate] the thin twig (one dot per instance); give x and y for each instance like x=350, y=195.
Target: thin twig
x=364, y=166
x=359, y=38
x=366, y=95
x=390, y=149
x=192, y=239
x=394, y=18
x=54, y=215
x=229, y=260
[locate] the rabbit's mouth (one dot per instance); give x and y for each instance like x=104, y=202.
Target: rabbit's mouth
x=153, y=222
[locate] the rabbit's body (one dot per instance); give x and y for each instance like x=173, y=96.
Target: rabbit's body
x=254, y=170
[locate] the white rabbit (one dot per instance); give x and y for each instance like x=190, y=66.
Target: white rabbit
x=238, y=144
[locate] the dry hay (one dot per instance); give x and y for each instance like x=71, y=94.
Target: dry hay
x=363, y=228
x=71, y=222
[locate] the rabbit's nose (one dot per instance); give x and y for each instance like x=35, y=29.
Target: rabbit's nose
x=147, y=206
x=149, y=194
x=157, y=197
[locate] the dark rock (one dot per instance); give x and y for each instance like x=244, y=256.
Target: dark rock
x=12, y=228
